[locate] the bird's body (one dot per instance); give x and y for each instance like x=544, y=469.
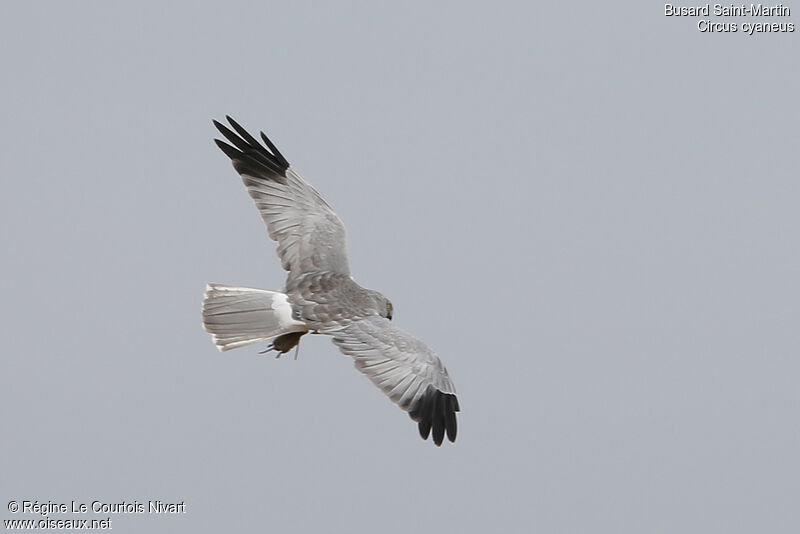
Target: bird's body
x=320, y=295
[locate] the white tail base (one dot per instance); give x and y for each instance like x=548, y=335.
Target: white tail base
x=240, y=316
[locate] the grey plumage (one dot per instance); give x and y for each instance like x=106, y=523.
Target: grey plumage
x=320, y=295
x=310, y=236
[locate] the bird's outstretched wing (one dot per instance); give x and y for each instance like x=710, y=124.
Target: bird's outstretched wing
x=405, y=369
x=310, y=235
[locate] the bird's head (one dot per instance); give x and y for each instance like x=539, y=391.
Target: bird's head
x=384, y=306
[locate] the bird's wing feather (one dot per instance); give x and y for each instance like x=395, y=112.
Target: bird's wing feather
x=405, y=369
x=310, y=236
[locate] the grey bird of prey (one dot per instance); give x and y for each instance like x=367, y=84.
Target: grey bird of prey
x=320, y=296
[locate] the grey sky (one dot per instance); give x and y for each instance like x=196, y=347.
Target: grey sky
x=588, y=210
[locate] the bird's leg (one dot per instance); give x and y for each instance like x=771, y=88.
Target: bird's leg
x=271, y=348
x=297, y=350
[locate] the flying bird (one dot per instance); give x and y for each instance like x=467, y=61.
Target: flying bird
x=320, y=295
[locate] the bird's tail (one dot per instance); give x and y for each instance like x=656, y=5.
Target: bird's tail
x=239, y=316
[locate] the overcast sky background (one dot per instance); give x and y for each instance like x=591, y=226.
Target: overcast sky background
x=590, y=211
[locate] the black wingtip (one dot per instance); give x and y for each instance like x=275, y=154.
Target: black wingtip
x=425, y=428
x=227, y=149
x=436, y=411
x=274, y=149
x=248, y=155
x=451, y=424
